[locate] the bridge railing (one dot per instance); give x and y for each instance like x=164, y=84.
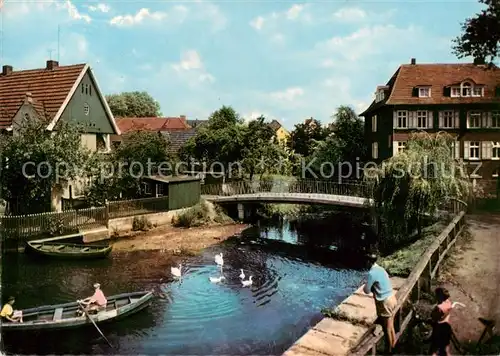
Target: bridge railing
x=286, y=186
x=419, y=281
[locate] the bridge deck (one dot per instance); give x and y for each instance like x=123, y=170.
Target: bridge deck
x=305, y=198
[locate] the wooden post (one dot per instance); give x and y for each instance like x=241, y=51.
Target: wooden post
x=106, y=212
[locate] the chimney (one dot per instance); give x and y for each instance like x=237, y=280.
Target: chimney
x=183, y=117
x=6, y=70
x=52, y=64
x=413, y=61
x=29, y=97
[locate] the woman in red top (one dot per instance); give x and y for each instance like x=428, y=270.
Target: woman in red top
x=97, y=301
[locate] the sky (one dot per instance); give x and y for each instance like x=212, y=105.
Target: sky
x=285, y=60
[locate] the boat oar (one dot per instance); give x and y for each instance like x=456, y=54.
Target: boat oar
x=93, y=322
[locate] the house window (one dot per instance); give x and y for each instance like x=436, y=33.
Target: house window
x=421, y=119
x=495, y=150
x=495, y=119
x=402, y=119
x=146, y=187
x=474, y=150
x=448, y=119
x=401, y=146
x=455, y=92
x=474, y=120
x=477, y=92
x=424, y=92
x=379, y=96
x=86, y=109
x=375, y=150
x=466, y=89
x=161, y=189
x=374, y=123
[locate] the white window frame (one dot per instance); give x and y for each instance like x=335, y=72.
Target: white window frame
x=147, y=188
x=401, y=146
x=375, y=150
x=402, y=115
x=379, y=95
x=476, y=146
x=86, y=109
x=422, y=115
x=495, y=173
x=495, y=148
x=451, y=117
x=480, y=94
x=495, y=120
x=424, y=92
x=455, y=92
x=374, y=123
x=468, y=87
x=478, y=115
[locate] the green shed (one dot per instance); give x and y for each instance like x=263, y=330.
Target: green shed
x=182, y=191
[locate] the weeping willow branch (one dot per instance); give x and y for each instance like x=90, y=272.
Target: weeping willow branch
x=416, y=182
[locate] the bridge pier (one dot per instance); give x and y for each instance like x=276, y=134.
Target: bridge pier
x=241, y=211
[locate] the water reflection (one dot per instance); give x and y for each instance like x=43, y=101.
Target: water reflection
x=191, y=316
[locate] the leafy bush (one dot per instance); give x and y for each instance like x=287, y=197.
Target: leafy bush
x=141, y=223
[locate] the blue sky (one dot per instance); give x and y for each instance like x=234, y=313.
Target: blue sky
x=287, y=60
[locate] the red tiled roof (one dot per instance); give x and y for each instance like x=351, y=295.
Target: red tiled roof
x=49, y=89
x=439, y=77
x=129, y=124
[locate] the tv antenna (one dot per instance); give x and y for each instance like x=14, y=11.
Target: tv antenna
x=50, y=53
x=58, y=42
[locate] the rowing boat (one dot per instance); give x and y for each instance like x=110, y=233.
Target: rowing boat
x=68, y=250
x=65, y=316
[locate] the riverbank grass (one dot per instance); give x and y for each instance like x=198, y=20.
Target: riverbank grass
x=402, y=262
x=202, y=214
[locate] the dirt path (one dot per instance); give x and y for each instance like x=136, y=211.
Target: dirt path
x=177, y=240
x=472, y=276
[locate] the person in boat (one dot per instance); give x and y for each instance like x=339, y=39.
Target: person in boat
x=96, y=302
x=9, y=314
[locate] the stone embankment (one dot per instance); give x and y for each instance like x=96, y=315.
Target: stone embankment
x=336, y=337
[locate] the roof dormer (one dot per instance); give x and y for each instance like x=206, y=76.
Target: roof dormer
x=422, y=91
x=467, y=88
x=381, y=92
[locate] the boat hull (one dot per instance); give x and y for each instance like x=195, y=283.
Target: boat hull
x=69, y=320
x=94, y=252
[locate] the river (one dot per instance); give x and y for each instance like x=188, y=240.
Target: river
x=292, y=283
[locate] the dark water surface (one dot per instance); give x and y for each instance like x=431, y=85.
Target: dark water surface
x=193, y=316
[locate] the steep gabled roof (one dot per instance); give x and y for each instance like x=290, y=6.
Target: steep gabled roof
x=439, y=77
x=49, y=89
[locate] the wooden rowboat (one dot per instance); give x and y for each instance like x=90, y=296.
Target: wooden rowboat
x=64, y=316
x=68, y=250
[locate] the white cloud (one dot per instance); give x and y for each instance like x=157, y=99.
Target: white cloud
x=294, y=12
x=141, y=16
x=191, y=68
x=257, y=23
x=350, y=14
x=100, y=7
x=255, y=114
x=289, y=94
x=73, y=12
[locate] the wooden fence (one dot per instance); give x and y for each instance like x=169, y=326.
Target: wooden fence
x=420, y=280
x=71, y=221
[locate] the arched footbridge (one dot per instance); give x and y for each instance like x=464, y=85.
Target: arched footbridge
x=289, y=192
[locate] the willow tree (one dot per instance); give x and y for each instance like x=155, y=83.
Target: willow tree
x=416, y=182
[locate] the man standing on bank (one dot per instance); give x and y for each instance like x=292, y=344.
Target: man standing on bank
x=380, y=285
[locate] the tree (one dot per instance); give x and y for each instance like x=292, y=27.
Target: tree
x=480, y=36
x=218, y=141
x=133, y=104
x=35, y=161
x=140, y=155
x=304, y=136
x=345, y=144
x=416, y=182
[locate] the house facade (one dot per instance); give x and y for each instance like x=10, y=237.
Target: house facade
x=54, y=93
x=282, y=135
x=460, y=99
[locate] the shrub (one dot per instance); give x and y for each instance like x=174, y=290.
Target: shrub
x=141, y=223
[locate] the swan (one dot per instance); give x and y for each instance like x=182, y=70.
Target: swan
x=176, y=271
x=217, y=279
x=248, y=282
x=242, y=274
x=219, y=260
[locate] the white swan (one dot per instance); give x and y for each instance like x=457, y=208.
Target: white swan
x=219, y=260
x=217, y=279
x=248, y=282
x=242, y=274
x=176, y=271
